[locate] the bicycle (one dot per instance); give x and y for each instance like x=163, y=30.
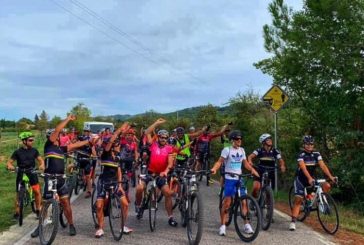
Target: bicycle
x=25, y=192
x=149, y=200
x=205, y=166
x=322, y=203
x=113, y=208
x=50, y=213
x=266, y=197
x=190, y=205
x=251, y=213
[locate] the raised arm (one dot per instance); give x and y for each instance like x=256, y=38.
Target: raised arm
x=54, y=136
x=151, y=128
x=123, y=128
x=219, y=133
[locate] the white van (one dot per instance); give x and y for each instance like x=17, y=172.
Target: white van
x=96, y=127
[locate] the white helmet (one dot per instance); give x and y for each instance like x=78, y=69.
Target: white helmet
x=264, y=137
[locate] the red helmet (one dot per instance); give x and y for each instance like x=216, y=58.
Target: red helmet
x=130, y=131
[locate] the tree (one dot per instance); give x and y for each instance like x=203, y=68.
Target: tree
x=82, y=114
x=24, y=124
x=54, y=121
x=36, y=120
x=43, y=121
x=318, y=56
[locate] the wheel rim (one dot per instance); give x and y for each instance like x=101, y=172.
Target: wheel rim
x=327, y=214
x=48, y=222
x=194, y=219
x=116, y=218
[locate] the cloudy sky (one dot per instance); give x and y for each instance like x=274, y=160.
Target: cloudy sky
x=128, y=56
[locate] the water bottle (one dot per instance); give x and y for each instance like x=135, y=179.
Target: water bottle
x=309, y=199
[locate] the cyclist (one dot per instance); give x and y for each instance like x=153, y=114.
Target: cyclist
x=224, y=138
x=55, y=164
x=172, y=140
x=308, y=160
x=86, y=152
x=25, y=157
x=234, y=159
x=160, y=163
x=183, y=141
x=202, y=145
x=111, y=173
x=267, y=156
x=128, y=152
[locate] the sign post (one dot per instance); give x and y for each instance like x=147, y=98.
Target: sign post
x=276, y=98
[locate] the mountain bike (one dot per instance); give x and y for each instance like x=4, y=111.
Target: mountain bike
x=322, y=203
x=149, y=200
x=50, y=213
x=190, y=205
x=113, y=208
x=25, y=195
x=244, y=208
x=266, y=197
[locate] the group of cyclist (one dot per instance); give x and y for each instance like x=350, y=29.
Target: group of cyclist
x=121, y=151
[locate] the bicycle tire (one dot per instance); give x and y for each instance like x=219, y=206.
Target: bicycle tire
x=93, y=208
x=32, y=205
x=221, y=197
x=328, y=207
x=253, y=211
x=304, y=211
x=116, y=218
x=77, y=184
x=152, y=209
x=266, y=203
x=208, y=177
x=44, y=221
x=21, y=196
x=193, y=216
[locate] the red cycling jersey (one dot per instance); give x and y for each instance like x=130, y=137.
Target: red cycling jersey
x=159, y=157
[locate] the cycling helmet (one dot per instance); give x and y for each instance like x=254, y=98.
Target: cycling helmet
x=192, y=128
x=130, y=131
x=235, y=134
x=86, y=128
x=264, y=137
x=308, y=139
x=49, y=132
x=25, y=135
x=163, y=132
x=180, y=130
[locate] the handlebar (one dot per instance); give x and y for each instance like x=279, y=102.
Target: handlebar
x=238, y=175
x=27, y=170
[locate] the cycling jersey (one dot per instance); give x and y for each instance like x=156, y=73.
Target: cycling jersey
x=64, y=140
x=311, y=160
x=54, y=158
x=127, y=152
x=159, y=157
x=180, y=143
x=203, y=143
x=25, y=158
x=109, y=166
x=267, y=158
x=233, y=159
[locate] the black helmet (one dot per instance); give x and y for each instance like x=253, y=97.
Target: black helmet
x=308, y=139
x=180, y=130
x=235, y=134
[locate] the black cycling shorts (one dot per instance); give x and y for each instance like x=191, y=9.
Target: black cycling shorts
x=62, y=188
x=86, y=166
x=33, y=179
x=160, y=181
x=103, y=185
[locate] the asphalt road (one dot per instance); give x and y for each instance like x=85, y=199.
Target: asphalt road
x=164, y=234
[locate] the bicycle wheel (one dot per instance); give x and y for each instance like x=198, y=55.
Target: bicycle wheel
x=247, y=212
x=21, y=197
x=221, y=197
x=116, y=218
x=207, y=167
x=62, y=218
x=266, y=203
x=152, y=208
x=194, y=218
x=93, y=207
x=327, y=214
x=48, y=221
x=303, y=212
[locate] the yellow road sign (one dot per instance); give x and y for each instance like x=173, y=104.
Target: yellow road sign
x=275, y=97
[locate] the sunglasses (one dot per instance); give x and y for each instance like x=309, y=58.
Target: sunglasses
x=237, y=139
x=163, y=138
x=311, y=144
x=30, y=140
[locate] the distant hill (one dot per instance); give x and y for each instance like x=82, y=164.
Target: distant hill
x=185, y=113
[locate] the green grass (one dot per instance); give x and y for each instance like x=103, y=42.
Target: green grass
x=7, y=186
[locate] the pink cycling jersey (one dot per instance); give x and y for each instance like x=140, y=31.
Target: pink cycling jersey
x=159, y=157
